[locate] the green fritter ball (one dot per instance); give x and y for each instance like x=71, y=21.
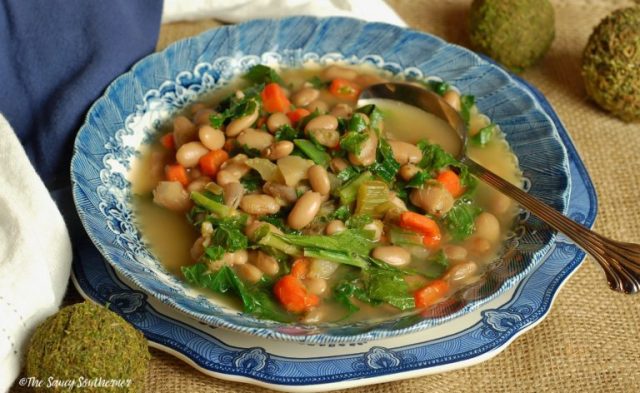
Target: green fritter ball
x=88, y=344
x=516, y=33
x=611, y=64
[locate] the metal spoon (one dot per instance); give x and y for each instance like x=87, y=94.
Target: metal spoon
x=620, y=261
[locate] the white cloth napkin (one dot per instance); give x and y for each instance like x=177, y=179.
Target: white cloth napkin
x=240, y=10
x=35, y=254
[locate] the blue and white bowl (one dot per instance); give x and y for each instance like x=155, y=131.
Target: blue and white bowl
x=140, y=102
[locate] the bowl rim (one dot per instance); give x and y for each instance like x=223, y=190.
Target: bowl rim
x=322, y=337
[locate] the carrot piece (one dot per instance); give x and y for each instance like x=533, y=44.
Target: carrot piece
x=421, y=224
x=210, y=162
x=344, y=89
x=430, y=293
x=300, y=268
x=451, y=182
x=292, y=294
x=274, y=98
x=167, y=141
x=177, y=173
x=298, y=114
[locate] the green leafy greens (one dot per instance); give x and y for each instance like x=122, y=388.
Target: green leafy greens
x=460, y=220
x=261, y=74
x=286, y=133
x=375, y=286
x=386, y=165
x=438, y=87
x=466, y=103
x=435, y=158
x=484, y=135
x=255, y=299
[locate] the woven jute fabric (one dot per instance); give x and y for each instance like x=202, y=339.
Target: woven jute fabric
x=590, y=341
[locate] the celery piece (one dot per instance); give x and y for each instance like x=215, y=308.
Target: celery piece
x=312, y=151
x=337, y=257
x=349, y=192
x=351, y=241
x=217, y=208
x=401, y=237
x=264, y=237
x=371, y=194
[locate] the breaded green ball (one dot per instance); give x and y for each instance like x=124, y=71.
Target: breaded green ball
x=611, y=64
x=88, y=344
x=515, y=33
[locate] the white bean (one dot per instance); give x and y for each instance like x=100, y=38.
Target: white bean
x=367, y=154
x=405, y=152
x=278, y=150
x=242, y=123
x=338, y=164
x=333, y=72
x=280, y=191
x=239, y=257
x=231, y=173
x=408, y=171
x=334, y=226
x=255, y=139
x=212, y=138
x=433, y=199
x=322, y=122
x=268, y=264
x=259, y=204
x=277, y=120
x=304, y=210
x=328, y=138
x=341, y=110
x=461, y=272
x=319, y=106
x=392, y=255
x=317, y=286
x=249, y=273
x=304, y=96
x=198, y=184
x=190, y=153
x=487, y=226
x=455, y=253
x=319, y=179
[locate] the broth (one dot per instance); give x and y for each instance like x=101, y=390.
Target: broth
x=171, y=237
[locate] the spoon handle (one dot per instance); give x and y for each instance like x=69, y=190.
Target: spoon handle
x=620, y=261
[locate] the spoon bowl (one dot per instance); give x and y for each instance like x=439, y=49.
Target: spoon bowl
x=620, y=261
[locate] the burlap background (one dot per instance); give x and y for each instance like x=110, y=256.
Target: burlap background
x=590, y=342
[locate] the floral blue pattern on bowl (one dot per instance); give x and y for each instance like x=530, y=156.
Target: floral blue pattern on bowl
x=139, y=102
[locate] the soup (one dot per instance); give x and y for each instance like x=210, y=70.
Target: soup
x=281, y=193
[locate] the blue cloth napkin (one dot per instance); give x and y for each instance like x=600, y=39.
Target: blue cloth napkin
x=56, y=58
